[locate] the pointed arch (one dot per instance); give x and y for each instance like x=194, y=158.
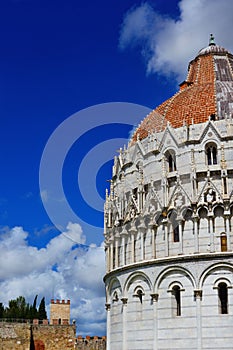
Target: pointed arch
x=209, y=185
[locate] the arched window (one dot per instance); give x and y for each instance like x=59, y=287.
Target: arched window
x=176, y=301
x=223, y=298
x=176, y=233
x=211, y=154
x=174, y=225
x=138, y=292
x=223, y=238
x=171, y=160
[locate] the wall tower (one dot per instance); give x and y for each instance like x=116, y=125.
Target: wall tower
x=60, y=312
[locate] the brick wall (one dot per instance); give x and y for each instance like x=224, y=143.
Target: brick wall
x=14, y=336
x=90, y=343
x=22, y=336
x=25, y=336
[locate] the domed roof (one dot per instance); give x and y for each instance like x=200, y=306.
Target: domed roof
x=206, y=93
x=212, y=48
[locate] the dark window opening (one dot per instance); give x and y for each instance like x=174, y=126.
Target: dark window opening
x=214, y=151
x=177, y=300
x=176, y=234
x=125, y=257
x=223, y=298
x=211, y=153
x=140, y=294
x=225, y=185
x=209, y=156
x=146, y=188
x=114, y=257
x=135, y=193
x=171, y=163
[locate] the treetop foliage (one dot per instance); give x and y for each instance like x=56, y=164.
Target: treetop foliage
x=19, y=309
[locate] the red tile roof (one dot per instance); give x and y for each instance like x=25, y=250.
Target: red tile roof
x=208, y=90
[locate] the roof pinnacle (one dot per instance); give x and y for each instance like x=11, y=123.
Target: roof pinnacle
x=211, y=41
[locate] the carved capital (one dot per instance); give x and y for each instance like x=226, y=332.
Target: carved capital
x=107, y=307
x=124, y=301
x=154, y=297
x=198, y=294
x=133, y=229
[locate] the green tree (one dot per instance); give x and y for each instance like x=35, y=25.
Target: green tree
x=33, y=309
x=12, y=310
x=1, y=310
x=17, y=308
x=42, y=311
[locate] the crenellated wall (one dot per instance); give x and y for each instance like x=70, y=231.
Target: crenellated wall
x=60, y=312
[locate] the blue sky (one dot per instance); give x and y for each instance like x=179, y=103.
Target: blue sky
x=58, y=58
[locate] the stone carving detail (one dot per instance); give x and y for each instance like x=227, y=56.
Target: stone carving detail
x=179, y=200
x=210, y=196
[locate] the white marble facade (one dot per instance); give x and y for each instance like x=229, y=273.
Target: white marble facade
x=169, y=241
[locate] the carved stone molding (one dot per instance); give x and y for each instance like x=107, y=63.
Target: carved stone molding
x=198, y=294
x=107, y=307
x=154, y=297
x=124, y=301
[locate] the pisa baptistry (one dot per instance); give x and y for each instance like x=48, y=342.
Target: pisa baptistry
x=169, y=219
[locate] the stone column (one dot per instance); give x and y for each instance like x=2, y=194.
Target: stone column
x=142, y=245
x=111, y=256
x=108, y=308
x=153, y=229
x=228, y=233
x=123, y=250
x=107, y=259
x=123, y=236
x=116, y=252
x=124, y=323
x=166, y=248
x=211, y=229
x=154, y=298
x=133, y=231
x=142, y=229
x=198, y=297
x=196, y=243
x=180, y=236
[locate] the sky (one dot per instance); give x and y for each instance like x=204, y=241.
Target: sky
x=75, y=78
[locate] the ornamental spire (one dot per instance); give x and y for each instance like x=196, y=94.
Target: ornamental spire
x=211, y=41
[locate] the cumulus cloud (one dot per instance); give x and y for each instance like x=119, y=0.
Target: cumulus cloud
x=64, y=269
x=168, y=44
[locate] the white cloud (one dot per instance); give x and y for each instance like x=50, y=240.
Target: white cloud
x=62, y=270
x=168, y=44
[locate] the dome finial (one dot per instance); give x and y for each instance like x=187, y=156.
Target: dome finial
x=211, y=42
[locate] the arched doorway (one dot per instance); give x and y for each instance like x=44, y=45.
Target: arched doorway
x=39, y=345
